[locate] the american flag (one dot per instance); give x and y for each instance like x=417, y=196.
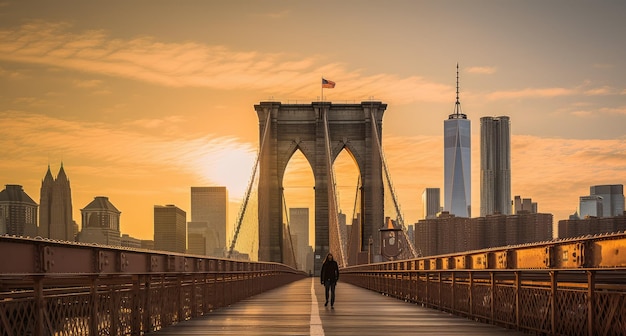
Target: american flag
x=326, y=84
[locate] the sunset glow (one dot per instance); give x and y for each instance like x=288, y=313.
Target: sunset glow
x=142, y=100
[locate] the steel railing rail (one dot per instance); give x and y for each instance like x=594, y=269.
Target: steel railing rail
x=50, y=287
x=564, y=287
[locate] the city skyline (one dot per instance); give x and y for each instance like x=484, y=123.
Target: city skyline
x=142, y=107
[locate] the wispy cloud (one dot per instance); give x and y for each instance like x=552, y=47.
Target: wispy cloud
x=91, y=83
x=532, y=93
x=615, y=110
x=603, y=66
x=124, y=152
x=104, y=157
x=601, y=91
x=11, y=74
x=556, y=171
x=483, y=70
x=603, y=110
x=275, y=15
x=192, y=64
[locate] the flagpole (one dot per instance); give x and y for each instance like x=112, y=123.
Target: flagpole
x=322, y=89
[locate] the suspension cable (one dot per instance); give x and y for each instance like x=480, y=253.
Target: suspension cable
x=244, y=204
x=333, y=193
x=393, y=193
x=293, y=251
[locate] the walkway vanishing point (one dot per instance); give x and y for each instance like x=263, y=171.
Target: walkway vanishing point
x=298, y=309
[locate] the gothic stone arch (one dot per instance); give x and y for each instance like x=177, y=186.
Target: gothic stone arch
x=301, y=126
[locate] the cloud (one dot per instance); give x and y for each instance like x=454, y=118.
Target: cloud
x=30, y=101
x=483, y=70
x=275, y=15
x=601, y=91
x=11, y=74
x=623, y=92
x=604, y=110
x=532, y=93
x=123, y=152
x=87, y=83
x=603, y=66
x=614, y=110
x=582, y=113
x=192, y=64
x=107, y=159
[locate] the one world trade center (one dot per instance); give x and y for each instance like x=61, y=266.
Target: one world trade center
x=457, y=163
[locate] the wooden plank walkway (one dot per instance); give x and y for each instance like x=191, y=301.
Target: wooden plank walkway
x=298, y=309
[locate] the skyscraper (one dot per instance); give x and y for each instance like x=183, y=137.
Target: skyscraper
x=55, y=213
x=299, y=227
x=202, y=240
x=170, y=228
x=210, y=205
x=100, y=223
x=590, y=206
x=457, y=163
x=431, y=201
x=495, y=166
x=524, y=205
x=18, y=212
x=612, y=198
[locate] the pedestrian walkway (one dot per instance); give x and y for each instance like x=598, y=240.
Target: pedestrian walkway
x=298, y=309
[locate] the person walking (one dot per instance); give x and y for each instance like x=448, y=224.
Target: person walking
x=329, y=277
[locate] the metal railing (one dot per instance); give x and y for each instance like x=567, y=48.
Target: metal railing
x=57, y=288
x=554, y=295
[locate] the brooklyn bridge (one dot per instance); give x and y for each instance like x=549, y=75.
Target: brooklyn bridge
x=559, y=287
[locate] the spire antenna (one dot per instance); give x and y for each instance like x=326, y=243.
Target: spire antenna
x=457, y=105
x=457, y=82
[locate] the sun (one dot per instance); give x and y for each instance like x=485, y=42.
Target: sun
x=230, y=166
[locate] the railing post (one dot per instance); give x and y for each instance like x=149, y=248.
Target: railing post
x=135, y=326
x=194, y=295
x=439, y=305
x=492, y=277
x=452, y=305
x=163, y=300
x=147, y=301
x=471, y=293
x=518, y=286
x=416, y=296
x=93, y=301
x=114, y=308
x=39, y=306
x=206, y=294
x=591, y=284
x=553, y=287
x=427, y=294
x=181, y=298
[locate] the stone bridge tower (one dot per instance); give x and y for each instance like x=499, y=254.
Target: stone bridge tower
x=302, y=126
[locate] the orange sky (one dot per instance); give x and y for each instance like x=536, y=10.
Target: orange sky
x=143, y=100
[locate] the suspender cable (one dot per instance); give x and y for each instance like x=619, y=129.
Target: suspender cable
x=246, y=199
x=332, y=202
x=393, y=193
x=293, y=251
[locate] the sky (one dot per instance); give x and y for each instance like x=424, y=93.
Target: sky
x=140, y=100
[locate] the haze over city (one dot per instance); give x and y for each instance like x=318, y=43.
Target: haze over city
x=142, y=100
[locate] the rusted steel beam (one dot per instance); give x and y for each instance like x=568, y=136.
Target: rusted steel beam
x=36, y=256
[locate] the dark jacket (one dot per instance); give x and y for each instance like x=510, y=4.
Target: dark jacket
x=330, y=272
